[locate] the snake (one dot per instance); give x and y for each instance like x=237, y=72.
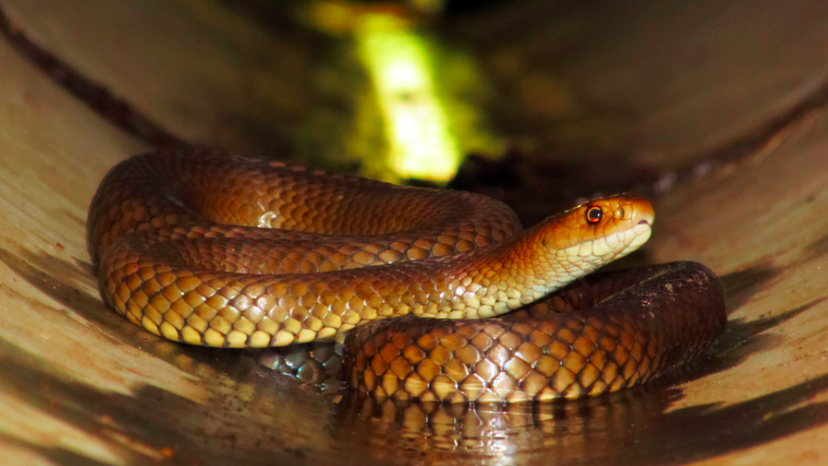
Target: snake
x=438, y=295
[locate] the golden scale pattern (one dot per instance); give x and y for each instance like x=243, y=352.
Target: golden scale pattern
x=219, y=250
x=598, y=335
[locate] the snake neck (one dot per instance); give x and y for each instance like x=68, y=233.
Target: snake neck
x=527, y=268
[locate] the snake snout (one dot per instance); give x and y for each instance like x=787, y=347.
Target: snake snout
x=642, y=212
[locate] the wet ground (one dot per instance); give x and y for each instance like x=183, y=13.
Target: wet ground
x=717, y=111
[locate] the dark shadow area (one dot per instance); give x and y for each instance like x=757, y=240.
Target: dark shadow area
x=744, y=338
x=740, y=286
x=61, y=281
x=240, y=423
x=816, y=250
x=739, y=341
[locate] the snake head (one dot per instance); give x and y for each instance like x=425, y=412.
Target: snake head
x=600, y=230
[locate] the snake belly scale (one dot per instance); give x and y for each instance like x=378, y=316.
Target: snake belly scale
x=219, y=250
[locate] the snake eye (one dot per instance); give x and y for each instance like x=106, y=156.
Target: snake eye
x=594, y=214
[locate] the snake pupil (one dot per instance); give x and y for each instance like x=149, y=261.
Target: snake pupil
x=594, y=214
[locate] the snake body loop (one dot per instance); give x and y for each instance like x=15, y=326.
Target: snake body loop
x=224, y=251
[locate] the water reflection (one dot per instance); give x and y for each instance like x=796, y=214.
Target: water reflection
x=566, y=432
x=626, y=428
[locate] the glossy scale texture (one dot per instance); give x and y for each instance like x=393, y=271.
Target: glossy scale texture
x=220, y=250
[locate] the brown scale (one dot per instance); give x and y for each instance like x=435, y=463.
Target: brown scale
x=224, y=251
x=601, y=334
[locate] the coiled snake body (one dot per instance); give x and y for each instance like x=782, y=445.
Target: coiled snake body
x=218, y=250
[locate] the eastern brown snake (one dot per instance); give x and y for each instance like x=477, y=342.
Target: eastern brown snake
x=220, y=250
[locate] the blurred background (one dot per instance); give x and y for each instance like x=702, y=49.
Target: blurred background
x=536, y=102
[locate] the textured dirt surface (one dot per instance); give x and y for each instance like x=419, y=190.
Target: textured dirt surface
x=81, y=385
